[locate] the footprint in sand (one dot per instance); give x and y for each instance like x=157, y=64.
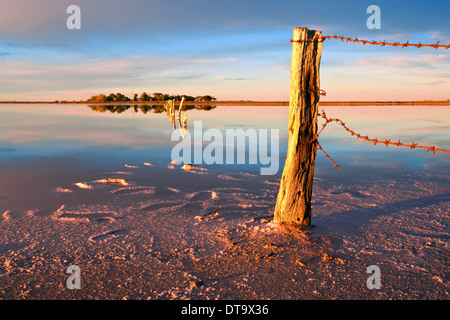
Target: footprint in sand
x=110, y=234
x=351, y=193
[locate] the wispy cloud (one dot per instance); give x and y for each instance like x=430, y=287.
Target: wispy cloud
x=402, y=61
x=239, y=79
x=280, y=67
x=188, y=77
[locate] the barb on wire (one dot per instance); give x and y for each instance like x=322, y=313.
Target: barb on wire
x=373, y=42
x=375, y=141
x=318, y=91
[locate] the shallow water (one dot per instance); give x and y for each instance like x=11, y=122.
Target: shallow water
x=46, y=149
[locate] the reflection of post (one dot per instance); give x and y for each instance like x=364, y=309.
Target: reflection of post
x=170, y=111
x=183, y=128
x=169, y=105
x=180, y=107
x=294, y=196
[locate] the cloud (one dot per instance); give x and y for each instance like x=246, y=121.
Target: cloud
x=368, y=73
x=3, y=54
x=442, y=36
x=238, y=79
x=403, y=61
x=124, y=66
x=187, y=77
x=47, y=78
x=431, y=83
x=44, y=21
x=280, y=67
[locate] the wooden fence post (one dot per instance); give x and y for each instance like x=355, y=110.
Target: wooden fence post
x=294, y=196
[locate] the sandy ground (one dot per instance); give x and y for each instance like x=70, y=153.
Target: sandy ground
x=138, y=239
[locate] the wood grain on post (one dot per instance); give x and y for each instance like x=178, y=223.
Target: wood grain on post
x=294, y=196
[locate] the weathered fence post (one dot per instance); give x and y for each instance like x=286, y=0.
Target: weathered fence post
x=294, y=196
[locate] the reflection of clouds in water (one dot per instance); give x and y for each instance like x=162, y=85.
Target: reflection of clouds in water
x=376, y=163
x=133, y=130
x=439, y=163
x=21, y=135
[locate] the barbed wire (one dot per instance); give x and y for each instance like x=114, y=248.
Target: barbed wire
x=318, y=91
x=326, y=155
x=386, y=142
x=373, y=42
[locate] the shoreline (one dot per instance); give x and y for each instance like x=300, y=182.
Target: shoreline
x=242, y=103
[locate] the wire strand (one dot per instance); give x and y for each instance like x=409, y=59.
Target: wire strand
x=373, y=42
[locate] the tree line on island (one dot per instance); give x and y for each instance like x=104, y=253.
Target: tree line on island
x=144, y=108
x=157, y=96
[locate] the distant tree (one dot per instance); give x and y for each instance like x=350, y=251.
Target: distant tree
x=157, y=96
x=188, y=98
x=111, y=97
x=121, y=97
x=101, y=98
x=98, y=98
x=145, y=97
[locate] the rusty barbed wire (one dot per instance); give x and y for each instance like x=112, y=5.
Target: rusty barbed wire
x=386, y=142
x=373, y=42
x=318, y=91
x=326, y=155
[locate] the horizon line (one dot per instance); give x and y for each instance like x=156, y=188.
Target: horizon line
x=237, y=102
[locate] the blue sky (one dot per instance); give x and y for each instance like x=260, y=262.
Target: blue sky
x=229, y=49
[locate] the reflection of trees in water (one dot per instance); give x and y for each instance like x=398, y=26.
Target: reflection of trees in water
x=144, y=108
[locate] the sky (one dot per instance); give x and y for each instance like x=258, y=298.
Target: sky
x=232, y=50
